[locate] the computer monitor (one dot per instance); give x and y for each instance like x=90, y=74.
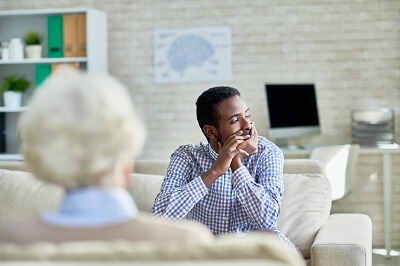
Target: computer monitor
x=292, y=111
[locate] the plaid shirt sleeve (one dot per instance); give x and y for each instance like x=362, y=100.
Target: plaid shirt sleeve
x=262, y=199
x=178, y=196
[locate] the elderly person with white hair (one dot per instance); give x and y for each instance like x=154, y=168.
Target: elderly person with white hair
x=82, y=133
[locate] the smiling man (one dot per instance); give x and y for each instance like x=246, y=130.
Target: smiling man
x=232, y=184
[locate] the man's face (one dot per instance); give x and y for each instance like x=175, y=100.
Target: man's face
x=234, y=116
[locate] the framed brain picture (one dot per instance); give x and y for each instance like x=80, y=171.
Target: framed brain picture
x=192, y=54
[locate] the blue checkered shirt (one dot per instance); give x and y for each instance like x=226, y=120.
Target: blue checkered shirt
x=238, y=202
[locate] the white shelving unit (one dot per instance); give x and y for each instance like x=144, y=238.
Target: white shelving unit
x=15, y=24
x=45, y=61
x=13, y=110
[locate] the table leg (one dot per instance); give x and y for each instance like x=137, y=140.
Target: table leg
x=387, y=195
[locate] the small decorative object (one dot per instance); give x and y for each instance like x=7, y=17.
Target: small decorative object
x=373, y=126
x=16, y=49
x=5, y=52
x=33, y=48
x=12, y=87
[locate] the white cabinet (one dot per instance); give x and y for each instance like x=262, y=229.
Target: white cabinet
x=15, y=24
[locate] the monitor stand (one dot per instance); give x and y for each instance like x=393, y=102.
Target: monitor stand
x=283, y=144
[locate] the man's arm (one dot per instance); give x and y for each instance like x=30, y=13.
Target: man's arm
x=226, y=154
x=262, y=200
x=177, y=196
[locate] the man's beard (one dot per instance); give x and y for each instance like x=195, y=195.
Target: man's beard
x=219, y=137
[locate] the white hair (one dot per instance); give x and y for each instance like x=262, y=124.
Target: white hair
x=79, y=130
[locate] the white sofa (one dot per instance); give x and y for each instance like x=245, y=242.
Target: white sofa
x=321, y=238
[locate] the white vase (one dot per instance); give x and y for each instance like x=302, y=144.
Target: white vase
x=12, y=99
x=33, y=51
x=16, y=49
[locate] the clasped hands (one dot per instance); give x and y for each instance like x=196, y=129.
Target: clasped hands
x=235, y=149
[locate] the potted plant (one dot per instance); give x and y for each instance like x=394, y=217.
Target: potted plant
x=33, y=48
x=12, y=87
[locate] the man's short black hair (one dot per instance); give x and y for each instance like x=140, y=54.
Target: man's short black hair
x=207, y=105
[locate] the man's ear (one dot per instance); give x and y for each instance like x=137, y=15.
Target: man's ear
x=211, y=132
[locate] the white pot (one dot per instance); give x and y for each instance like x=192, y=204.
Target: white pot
x=16, y=49
x=12, y=99
x=33, y=51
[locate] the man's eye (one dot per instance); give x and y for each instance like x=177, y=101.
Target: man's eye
x=247, y=116
x=234, y=120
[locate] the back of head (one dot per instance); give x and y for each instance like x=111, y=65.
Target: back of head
x=79, y=129
x=207, y=104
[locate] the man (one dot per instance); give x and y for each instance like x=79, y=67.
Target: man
x=234, y=183
x=81, y=133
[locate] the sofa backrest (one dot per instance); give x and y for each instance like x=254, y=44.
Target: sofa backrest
x=144, y=189
x=305, y=207
x=254, y=249
x=159, y=167
x=22, y=195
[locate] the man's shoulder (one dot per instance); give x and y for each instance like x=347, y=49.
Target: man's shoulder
x=189, y=149
x=265, y=145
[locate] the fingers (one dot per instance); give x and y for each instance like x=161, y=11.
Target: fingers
x=253, y=131
x=243, y=152
x=232, y=136
x=235, y=140
x=238, y=133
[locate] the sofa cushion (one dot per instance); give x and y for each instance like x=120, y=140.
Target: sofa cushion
x=150, y=167
x=144, y=189
x=305, y=208
x=22, y=195
x=257, y=247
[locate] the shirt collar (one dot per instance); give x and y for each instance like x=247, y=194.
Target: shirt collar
x=94, y=206
x=211, y=151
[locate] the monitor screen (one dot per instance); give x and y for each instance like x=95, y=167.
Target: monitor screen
x=292, y=110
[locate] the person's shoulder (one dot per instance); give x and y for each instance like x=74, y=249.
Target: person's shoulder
x=190, y=149
x=19, y=231
x=265, y=145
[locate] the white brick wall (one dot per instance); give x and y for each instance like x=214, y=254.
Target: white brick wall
x=350, y=49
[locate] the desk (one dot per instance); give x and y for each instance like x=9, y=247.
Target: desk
x=386, y=151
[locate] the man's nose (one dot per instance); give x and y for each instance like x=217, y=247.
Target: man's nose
x=246, y=127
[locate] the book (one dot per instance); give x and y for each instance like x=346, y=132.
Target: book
x=41, y=73
x=74, y=35
x=55, y=37
x=70, y=40
x=81, y=37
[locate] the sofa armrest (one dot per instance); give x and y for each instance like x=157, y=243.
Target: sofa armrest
x=345, y=239
x=303, y=166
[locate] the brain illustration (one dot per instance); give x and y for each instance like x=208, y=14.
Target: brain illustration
x=189, y=50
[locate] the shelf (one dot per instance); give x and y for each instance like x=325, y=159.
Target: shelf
x=10, y=157
x=45, y=61
x=16, y=23
x=33, y=12
x=13, y=109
